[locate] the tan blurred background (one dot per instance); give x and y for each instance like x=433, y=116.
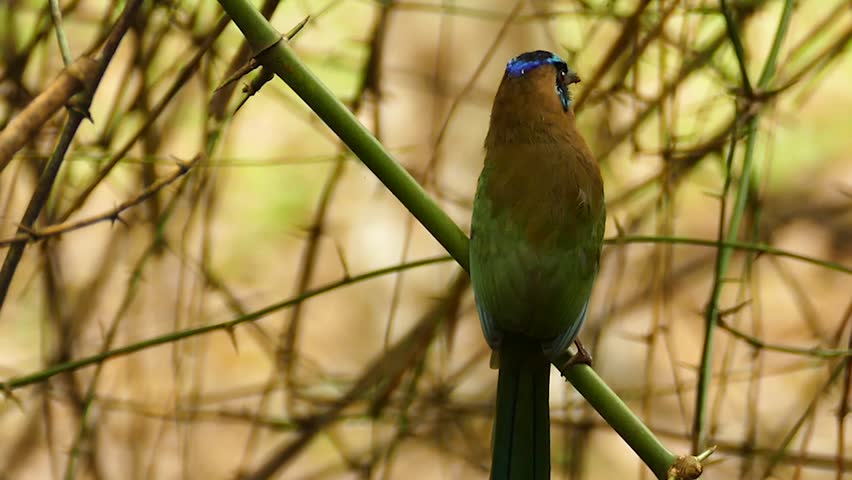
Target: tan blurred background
x=339, y=387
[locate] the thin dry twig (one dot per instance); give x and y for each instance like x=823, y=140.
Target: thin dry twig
x=112, y=215
x=73, y=79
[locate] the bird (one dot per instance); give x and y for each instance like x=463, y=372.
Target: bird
x=537, y=228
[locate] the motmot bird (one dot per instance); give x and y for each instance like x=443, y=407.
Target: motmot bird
x=536, y=232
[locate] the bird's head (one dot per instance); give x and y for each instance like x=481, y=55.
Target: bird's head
x=541, y=77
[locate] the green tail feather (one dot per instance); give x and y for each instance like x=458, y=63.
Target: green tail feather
x=522, y=421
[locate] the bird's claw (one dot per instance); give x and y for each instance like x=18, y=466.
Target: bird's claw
x=582, y=357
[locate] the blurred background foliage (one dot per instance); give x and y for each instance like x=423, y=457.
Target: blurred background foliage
x=388, y=377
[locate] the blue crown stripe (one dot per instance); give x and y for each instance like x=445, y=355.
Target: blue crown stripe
x=523, y=63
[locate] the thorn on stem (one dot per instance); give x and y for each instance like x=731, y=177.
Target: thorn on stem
x=233, y=336
x=7, y=392
x=117, y=218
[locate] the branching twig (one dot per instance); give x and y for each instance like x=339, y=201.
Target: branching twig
x=112, y=215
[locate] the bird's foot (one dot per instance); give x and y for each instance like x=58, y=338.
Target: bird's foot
x=581, y=357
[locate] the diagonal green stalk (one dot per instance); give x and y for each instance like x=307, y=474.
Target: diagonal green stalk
x=8, y=386
x=739, y=49
x=619, y=416
x=275, y=54
x=711, y=315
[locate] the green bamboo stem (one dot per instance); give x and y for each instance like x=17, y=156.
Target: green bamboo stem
x=619, y=416
x=12, y=384
x=729, y=244
x=711, y=315
x=275, y=54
